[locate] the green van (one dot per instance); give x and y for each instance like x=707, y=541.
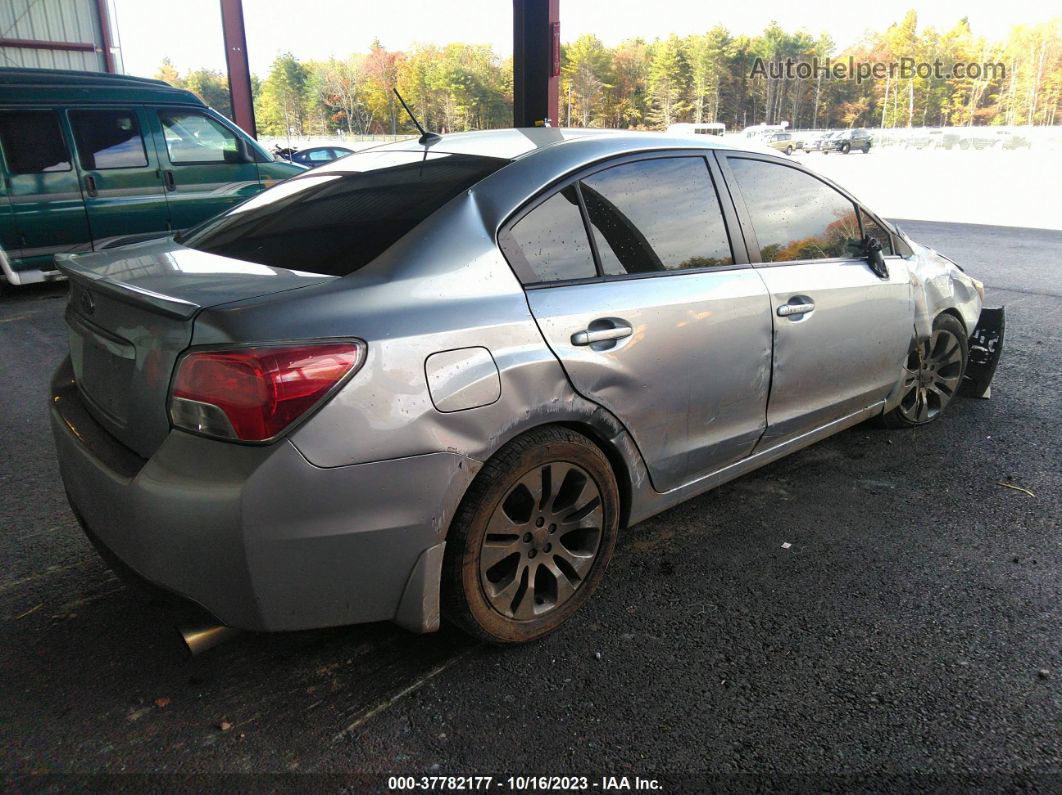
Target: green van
x=90, y=161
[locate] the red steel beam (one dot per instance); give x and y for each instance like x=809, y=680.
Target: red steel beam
x=36, y=44
x=239, y=70
x=536, y=62
x=105, y=35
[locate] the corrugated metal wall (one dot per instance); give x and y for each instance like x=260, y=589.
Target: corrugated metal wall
x=51, y=20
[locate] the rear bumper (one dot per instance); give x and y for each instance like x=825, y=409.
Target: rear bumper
x=986, y=348
x=258, y=536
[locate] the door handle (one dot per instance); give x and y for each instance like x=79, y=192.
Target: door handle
x=167, y=177
x=90, y=185
x=591, y=335
x=788, y=310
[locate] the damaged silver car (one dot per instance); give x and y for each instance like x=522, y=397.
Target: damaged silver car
x=437, y=380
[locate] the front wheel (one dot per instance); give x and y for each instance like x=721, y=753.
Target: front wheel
x=846, y=148
x=532, y=537
x=789, y=150
x=932, y=375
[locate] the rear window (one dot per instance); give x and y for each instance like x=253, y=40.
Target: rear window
x=336, y=219
x=32, y=142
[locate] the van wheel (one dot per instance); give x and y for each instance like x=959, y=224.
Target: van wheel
x=532, y=537
x=932, y=375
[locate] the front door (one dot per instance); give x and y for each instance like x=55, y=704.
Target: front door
x=47, y=211
x=841, y=332
x=120, y=176
x=649, y=314
x=205, y=167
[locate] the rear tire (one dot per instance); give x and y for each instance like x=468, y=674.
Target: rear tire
x=532, y=537
x=934, y=372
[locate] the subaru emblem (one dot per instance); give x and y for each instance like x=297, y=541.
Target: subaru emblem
x=87, y=302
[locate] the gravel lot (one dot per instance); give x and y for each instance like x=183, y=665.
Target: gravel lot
x=908, y=637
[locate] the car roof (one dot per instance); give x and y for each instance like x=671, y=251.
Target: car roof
x=66, y=86
x=526, y=142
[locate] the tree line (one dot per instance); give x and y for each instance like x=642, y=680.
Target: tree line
x=711, y=77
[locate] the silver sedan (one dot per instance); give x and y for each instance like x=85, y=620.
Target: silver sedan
x=436, y=380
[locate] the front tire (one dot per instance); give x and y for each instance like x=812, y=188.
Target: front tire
x=846, y=148
x=932, y=375
x=532, y=537
x=789, y=150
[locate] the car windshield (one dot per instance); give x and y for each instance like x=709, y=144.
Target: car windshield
x=338, y=218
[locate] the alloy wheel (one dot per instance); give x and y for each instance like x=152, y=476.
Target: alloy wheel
x=541, y=541
x=933, y=373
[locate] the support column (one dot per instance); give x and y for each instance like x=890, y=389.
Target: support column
x=536, y=62
x=105, y=36
x=239, y=70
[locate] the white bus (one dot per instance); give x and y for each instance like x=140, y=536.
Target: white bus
x=762, y=132
x=708, y=128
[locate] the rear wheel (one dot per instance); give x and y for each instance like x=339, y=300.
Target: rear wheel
x=532, y=537
x=932, y=375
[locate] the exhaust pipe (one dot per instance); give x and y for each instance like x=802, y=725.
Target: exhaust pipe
x=200, y=637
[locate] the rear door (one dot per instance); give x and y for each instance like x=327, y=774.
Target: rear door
x=632, y=279
x=841, y=333
x=205, y=166
x=120, y=176
x=47, y=211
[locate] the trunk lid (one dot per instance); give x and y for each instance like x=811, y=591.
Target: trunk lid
x=130, y=315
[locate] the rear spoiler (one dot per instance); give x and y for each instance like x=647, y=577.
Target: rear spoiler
x=86, y=276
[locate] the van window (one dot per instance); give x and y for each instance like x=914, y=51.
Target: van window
x=654, y=215
x=32, y=142
x=552, y=240
x=194, y=137
x=338, y=218
x=795, y=215
x=108, y=139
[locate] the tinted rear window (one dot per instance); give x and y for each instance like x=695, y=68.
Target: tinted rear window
x=336, y=219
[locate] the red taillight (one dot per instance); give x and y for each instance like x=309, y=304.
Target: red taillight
x=252, y=394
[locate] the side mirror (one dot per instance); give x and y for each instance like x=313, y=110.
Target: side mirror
x=870, y=249
x=242, y=154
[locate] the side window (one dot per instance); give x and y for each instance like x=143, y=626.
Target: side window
x=796, y=217
x=108, y=139
x=194, y=137
x=653, y=215
x=32, y=142
x=551, y=240
x=877, y=231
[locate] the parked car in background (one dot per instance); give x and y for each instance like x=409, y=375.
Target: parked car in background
x=1009, y=140
x=814, y=141
x=89, y=161
x=784, y=142
x=440, y=378
x=319, y=155
x=847, y=140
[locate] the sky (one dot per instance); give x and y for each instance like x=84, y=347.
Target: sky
x=189, y=31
